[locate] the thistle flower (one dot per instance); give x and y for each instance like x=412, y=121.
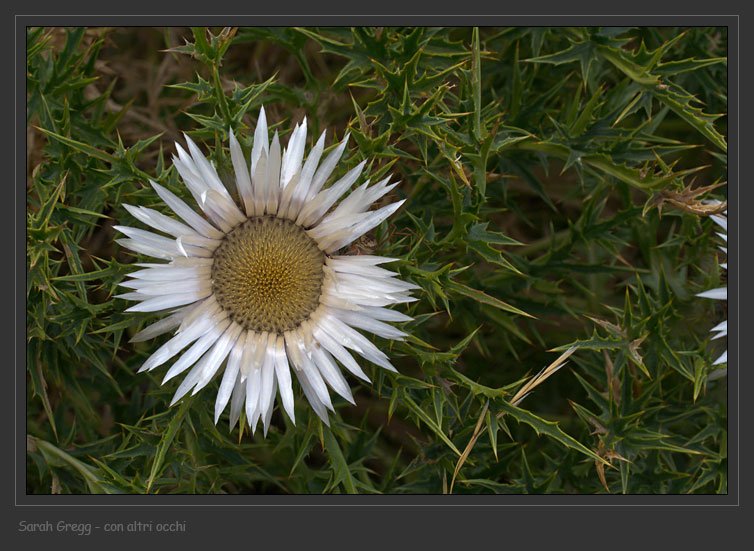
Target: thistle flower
x=257, y=286
x=721, y=293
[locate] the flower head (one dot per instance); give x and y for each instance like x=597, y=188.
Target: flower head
x=721, y=293
x=255, y=289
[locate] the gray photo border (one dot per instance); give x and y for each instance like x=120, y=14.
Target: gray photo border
x=210, y=516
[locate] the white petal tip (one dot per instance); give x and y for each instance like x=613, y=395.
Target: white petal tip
x=179, y=244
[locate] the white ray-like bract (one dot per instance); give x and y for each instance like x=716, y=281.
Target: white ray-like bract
x=721, y=293
x=254, y=289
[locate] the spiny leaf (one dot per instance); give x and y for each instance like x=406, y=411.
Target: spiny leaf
x=484, y=298
x=341, y=470
x=167, y=440
x=679, y=101
x=546, y=427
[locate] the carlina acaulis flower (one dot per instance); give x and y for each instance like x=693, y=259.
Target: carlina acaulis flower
x=257, y=290
x=721, y=293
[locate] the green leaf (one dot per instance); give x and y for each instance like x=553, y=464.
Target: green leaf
x=484, y=298
x=419, y=412
x=166, y=441
x=56, y=456
x=679, y=101
x=477, y=84
x=80, y=146
x=548, y=428
x=583, y=52
x=340, y=468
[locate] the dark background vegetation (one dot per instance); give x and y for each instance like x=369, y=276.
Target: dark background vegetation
x=550, y=176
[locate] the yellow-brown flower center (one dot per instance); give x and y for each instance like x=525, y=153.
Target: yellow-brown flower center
x=267, y=274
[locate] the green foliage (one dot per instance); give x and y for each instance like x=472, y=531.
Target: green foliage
x=532, y=160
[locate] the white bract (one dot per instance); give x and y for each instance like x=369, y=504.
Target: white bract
x=256, y=290
x=721, y=293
